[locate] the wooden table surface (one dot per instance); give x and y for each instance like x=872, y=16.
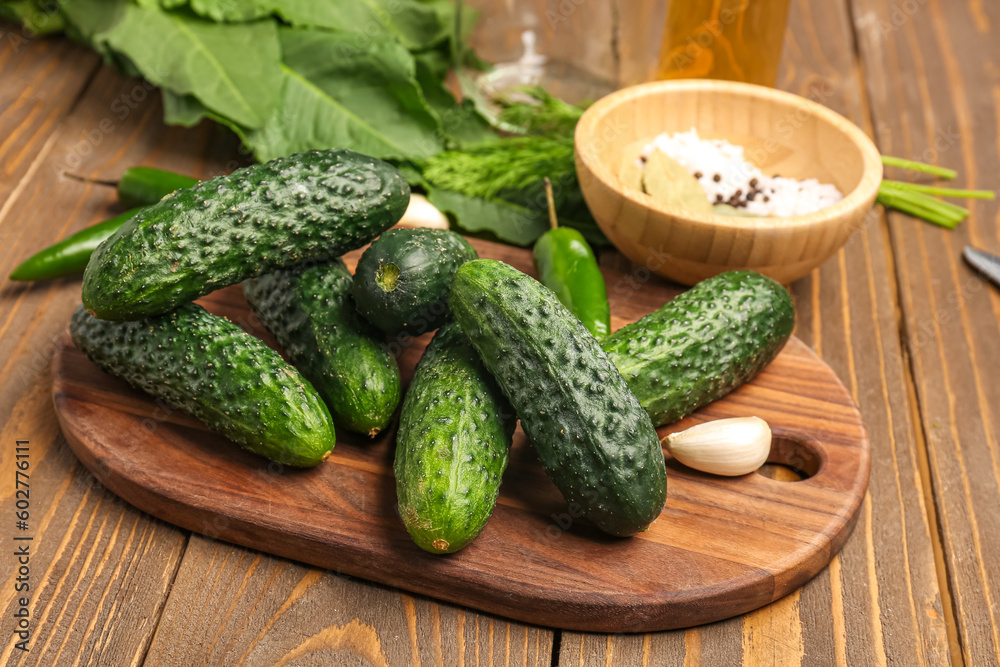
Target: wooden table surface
x=912, y=332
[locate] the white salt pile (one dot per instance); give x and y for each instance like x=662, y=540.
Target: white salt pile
x=728, y=178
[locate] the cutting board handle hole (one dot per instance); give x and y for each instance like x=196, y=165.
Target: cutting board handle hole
x=793, y=458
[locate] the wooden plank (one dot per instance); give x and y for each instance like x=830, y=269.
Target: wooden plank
x=232, y=605
x=935, y=95
x=878, y=602
x=42, y=80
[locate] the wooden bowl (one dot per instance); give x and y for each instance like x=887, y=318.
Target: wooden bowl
x=782, y=134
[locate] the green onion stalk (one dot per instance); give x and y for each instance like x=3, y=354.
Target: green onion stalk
x=916, y=199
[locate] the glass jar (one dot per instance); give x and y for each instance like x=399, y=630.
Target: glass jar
x=736, y=40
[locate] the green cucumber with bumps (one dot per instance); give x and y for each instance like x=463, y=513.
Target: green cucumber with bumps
x=310, y=311
x=306, y=207
x=211, y=369
x=455, y=431
x=402, y=280
x=591, y=434
x=703, y=344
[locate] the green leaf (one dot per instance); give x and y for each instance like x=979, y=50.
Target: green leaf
x=37, y=17
x=461, y=123
x=187, y=111
x=435, y=63
x=412, y=174
x=161, y=4
x=233, y=11
x=335, y=95
x=507, y=222
x=89, y=20
x=182, y=110
x=234, y=70
x=415, y=24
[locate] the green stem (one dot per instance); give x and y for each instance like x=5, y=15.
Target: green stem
x=937, y=207
x=553, y=219
x=922, y=206
x=924, y=202
x=940, y=192
x=918, y=166
x=923, y=199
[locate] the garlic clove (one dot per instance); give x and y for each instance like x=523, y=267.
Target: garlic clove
x=422, y=213
x=731, y=447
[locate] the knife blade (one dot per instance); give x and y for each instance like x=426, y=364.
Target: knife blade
x=985, y=262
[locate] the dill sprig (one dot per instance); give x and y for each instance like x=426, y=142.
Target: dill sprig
x=512, y=168
x=509, y=166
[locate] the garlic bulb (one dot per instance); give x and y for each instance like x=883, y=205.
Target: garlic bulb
x=723, y=447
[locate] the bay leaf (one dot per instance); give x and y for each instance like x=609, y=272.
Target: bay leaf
x=668, y=182
x=630, y=171
x=726, y=209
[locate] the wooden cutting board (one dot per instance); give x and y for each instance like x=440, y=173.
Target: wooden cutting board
x=721, y=547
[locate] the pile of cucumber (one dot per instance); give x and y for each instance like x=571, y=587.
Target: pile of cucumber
x=506, y=347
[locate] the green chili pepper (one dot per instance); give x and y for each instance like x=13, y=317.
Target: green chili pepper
x=568, y=267
x=70, y=256
x=142, y=186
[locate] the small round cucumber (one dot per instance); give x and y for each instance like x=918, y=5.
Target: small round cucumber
x=455, y=430
x=310, y=311
x=402, y=280
x=210, y=368
x=592, y=436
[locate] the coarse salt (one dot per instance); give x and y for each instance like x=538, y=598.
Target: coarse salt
x=728, y=178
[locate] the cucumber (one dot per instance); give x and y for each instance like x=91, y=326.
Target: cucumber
x=310, y=311
x=455, y=430
x=703, y=344
x=402, y=280
x=307, y=207
x=592, y=436
x=208, y=367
